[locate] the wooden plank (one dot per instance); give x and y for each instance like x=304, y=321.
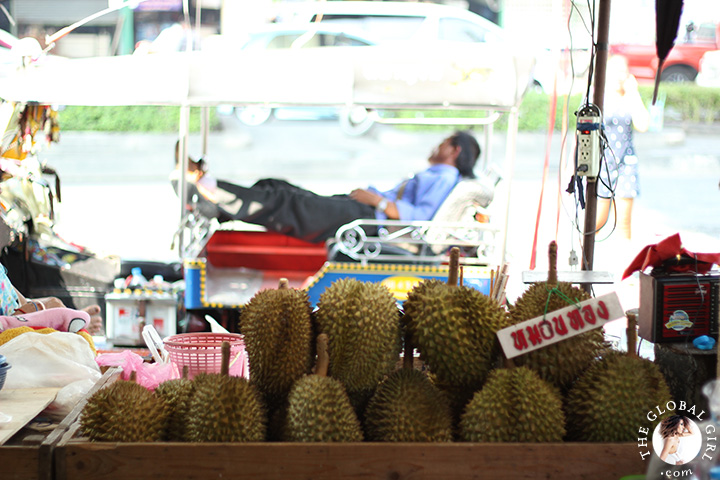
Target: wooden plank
x=46, y=457
x=22, y=404
x=578, y=277
x=110, y=375
x=290, y=461
x=18, y=463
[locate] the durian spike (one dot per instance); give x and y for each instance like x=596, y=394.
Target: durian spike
x=225, y=365
x=454, y=266
x=631, y=332
x=283, y=284
x=186, y=371
x=408, y=358
x=552, y=264
x=323, y=358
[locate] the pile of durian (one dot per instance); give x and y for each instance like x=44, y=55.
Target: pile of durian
x=335, y=375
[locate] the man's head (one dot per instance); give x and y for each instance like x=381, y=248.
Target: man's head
x=196, y=168
x=460, y=150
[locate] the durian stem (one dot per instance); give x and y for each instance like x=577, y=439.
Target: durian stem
x=133, y=376
x=631, y=332
x=283, y=284
x=186, y=371
x=408, y=358
x=225, y=365
x=454, y=266
x=552, y=264
x=323, y=358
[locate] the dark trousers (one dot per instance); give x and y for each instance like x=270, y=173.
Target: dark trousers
x=282, y=207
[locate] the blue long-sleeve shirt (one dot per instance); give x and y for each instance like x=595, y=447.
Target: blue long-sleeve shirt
x=423, y=193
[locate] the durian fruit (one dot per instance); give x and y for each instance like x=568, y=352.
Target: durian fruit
x=407, y=407
x=559, y=363
x=176, y=394
x=277, y=330
x=613, y=396
x=319, y=409
x=451, y=324
x=225, y=408
x=124, y=412
x=362, y=322
x=514, y=405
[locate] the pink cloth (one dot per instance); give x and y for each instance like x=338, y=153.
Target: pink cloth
x=60, y=319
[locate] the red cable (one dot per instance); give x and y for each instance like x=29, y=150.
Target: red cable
x=548, y=144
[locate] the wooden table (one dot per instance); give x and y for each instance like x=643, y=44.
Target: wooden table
x=23, y=462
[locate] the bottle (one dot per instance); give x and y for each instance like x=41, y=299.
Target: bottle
x=137, y=280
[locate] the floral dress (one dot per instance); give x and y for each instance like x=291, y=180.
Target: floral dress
x=9, y=301
x=619, y=169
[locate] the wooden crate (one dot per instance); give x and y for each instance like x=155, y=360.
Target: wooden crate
x=290, y=461
x=76, y=458
x=21, y=462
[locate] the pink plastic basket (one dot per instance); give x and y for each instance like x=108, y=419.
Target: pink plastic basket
x=202, y=352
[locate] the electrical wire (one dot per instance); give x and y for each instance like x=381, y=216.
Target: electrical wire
x=574, y=220
x=574, y=8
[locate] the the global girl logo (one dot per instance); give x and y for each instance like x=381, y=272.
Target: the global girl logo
x=677, y=439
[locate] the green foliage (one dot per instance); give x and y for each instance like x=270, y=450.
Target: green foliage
x=683, y=103
x=535, y=107
x=686, y=102
x=129, y=119
x=532, y=114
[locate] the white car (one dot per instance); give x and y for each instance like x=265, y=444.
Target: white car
x=383, y=22
x=353, y=121
x=417, y=23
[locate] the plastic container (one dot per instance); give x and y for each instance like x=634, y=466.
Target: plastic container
x=4, y=367
x=202, y=352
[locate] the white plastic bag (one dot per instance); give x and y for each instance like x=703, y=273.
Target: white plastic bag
x=55, y=359
x=67, y=398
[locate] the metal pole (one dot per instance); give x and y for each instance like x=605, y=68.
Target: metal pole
x=487, y=150
x=184, y=128
x=598, y=99
x=509, y=170
x=198, y=15
x=204, y=128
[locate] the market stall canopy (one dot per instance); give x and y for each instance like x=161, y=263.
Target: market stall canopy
x=461, y=76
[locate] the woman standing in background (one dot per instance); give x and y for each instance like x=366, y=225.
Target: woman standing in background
x=624, y=111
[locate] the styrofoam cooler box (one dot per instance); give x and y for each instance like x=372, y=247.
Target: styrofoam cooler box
x=125, y=319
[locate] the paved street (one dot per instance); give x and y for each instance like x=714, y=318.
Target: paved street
x=117, y=199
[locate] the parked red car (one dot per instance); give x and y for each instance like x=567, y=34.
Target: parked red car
x=683, y=62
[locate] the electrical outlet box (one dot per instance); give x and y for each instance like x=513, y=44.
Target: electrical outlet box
x=588, y=144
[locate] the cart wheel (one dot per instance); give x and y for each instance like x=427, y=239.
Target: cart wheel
x=253, y=116
x=356, y=120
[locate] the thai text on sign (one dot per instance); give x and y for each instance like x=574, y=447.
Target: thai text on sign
x=559, y=325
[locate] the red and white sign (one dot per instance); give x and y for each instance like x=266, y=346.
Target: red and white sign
x=559, y=325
